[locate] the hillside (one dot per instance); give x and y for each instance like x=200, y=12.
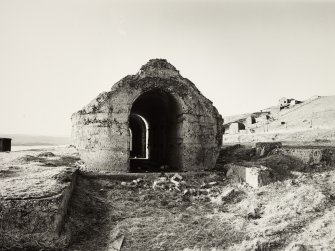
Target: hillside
x=310, y=120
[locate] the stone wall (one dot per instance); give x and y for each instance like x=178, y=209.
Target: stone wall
x=101, y=130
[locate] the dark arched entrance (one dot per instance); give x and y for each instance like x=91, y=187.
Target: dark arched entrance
x=138, y=129
x=155, y=132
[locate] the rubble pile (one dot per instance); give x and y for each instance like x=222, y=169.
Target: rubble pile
x=214, y=190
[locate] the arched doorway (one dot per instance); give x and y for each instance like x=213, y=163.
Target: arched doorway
x=139, y=138
x=155, y=132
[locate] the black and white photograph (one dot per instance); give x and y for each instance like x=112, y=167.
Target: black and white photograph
x=167, y=125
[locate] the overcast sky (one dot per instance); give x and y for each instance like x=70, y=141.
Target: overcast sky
x=56, y=56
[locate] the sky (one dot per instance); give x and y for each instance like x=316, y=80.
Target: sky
x=56, y=56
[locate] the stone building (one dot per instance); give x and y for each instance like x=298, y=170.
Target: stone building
x=263, y=118
x=283, y=101
x=236, y=127
x=287, y=102
x=152, y=120
x=250, y=120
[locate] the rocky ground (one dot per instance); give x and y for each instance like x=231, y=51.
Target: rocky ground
x=197, y=211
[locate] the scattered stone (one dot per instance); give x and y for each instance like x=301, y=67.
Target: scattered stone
x=137, y=181
x=175, y=179
x=176, y=183
x=159, y=181
x=134, y=183
x=177, y=176
x=79, y=164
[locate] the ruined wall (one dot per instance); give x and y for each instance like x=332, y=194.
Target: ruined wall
x=236, y=127
x=101, y=130
x=309, y=155
x=312, y=155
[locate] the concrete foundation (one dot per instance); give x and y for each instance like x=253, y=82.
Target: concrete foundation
x=32, y=209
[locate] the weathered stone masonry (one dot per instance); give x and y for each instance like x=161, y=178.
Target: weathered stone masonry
x=185, y=129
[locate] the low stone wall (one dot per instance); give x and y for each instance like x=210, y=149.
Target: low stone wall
x=311, y=155
x=37, y=221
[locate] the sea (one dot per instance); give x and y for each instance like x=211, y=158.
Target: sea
x=35, y=147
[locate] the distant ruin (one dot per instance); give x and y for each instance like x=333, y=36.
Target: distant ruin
x=263, y=120
x=287, y=102
x=153, y=120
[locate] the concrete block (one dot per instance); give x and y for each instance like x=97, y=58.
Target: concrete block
x=33, y=206
x=255, y=176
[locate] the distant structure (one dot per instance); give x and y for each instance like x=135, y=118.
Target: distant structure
x=5, y=144
x=314, y=112
x=154, y=120
x=263, y=118
x=250, y=120
x=236, y=127
x=287, y=102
